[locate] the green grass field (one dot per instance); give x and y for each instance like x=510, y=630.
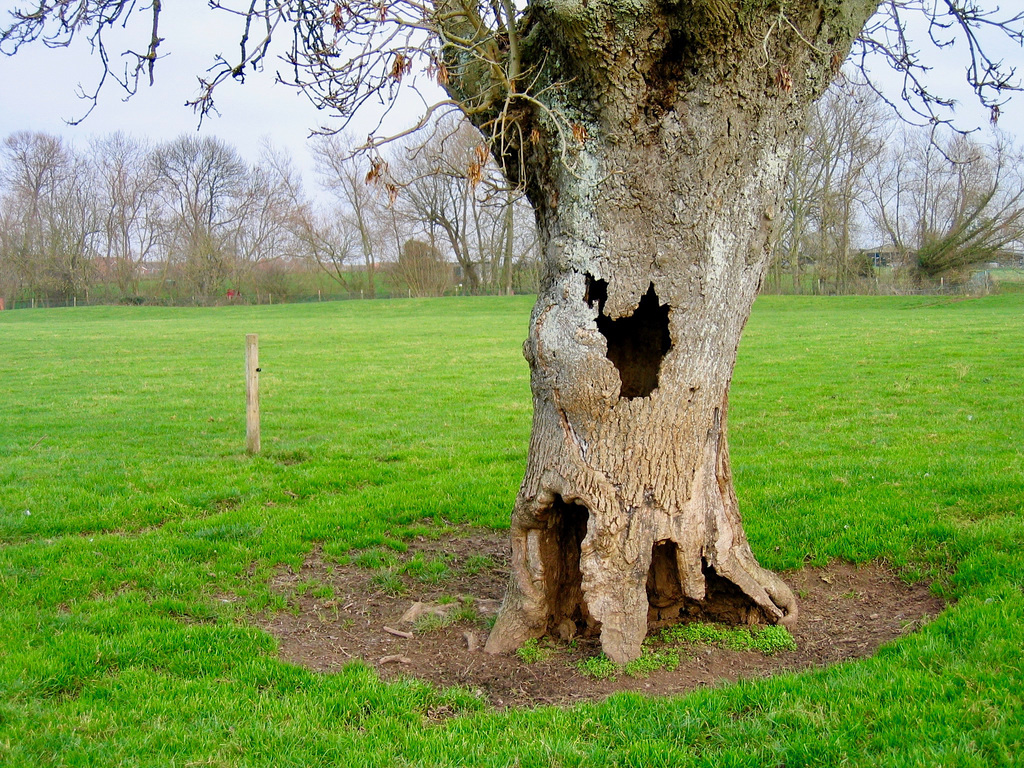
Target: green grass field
x=861, y=428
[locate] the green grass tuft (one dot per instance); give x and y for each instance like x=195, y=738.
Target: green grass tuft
x=433, y=571
x=477, y=563
x=652, y=661
x=773, y=639
x=431, y=622
x=466, y=612
x=531, y=652
x=376, y=559
x=767, y=640
x=228, y=532
x=390, y=582
x=599, y=667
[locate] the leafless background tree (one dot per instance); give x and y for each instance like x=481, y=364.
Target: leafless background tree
x=123, y=220
x=50, y=215
x=422, y=268
x=874, y=203
x=129, y=208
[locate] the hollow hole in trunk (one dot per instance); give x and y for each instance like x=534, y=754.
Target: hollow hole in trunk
x=563, y=581
x=664, y=591
x=636, y=344
x=723, y=601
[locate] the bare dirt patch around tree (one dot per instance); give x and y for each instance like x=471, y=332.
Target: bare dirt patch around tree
x=361, y=610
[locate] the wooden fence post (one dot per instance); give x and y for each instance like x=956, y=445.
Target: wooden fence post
x=252, y=393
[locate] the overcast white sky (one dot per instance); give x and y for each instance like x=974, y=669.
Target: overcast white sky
x=38, y=91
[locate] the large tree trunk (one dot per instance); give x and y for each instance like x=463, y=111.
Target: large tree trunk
x=655, y=219
x=627, y=516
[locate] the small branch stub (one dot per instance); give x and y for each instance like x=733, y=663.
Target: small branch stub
x=252, y=393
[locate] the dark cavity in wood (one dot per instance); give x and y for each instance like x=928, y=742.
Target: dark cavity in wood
x=637, y=343
x=560, y=549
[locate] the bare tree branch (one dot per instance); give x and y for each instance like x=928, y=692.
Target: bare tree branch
x=948, y=23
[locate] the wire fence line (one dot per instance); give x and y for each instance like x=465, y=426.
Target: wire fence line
x=220, y=300
x=980, y=284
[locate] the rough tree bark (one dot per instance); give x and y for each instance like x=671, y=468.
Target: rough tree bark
x=655, y=163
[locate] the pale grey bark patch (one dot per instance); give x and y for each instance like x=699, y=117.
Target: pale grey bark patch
x=637, y=343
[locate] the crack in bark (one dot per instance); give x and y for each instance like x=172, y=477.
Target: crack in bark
x=579, y=442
